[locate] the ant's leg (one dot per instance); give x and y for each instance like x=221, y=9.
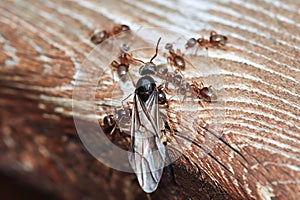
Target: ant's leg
x=130, y=76
x=170, y=61
x=198, y=46
x=148, y=196
x=113, y=130
x=201, y=84
x=201, y=103
x=114, y=65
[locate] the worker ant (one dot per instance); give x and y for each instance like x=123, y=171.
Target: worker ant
x=120, y=120
x=99, y=36
x=122, y=67
x=208, y=94
x=175, y=58
x=215, y=40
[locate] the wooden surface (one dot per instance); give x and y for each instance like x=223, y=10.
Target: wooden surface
x=43, y=44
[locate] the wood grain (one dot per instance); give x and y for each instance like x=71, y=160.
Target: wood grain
x=43, y=44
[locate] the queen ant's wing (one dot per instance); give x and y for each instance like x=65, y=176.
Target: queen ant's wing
x=148, y=153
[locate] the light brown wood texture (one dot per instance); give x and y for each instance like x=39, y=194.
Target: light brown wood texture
x=43, y=44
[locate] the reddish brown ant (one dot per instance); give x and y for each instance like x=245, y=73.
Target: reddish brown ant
x=99, y=36
x=125, y=59
x=208, y=94
x=120, y=120
x=175, y=58
x=215, y=40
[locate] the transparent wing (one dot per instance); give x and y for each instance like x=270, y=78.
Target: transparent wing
x=148, y=153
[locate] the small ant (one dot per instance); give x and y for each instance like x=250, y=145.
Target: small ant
x=125, y=59
x=215, y=40
x=99, y=36
x=119, y=121
x=173, y=81
x=208, y=94
x=175, y=58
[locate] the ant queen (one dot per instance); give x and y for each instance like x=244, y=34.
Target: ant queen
x=145, y=88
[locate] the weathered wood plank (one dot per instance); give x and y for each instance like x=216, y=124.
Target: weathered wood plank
x=43, y=44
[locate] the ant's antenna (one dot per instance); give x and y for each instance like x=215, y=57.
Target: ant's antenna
x=138, y=60
x=156, y=51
